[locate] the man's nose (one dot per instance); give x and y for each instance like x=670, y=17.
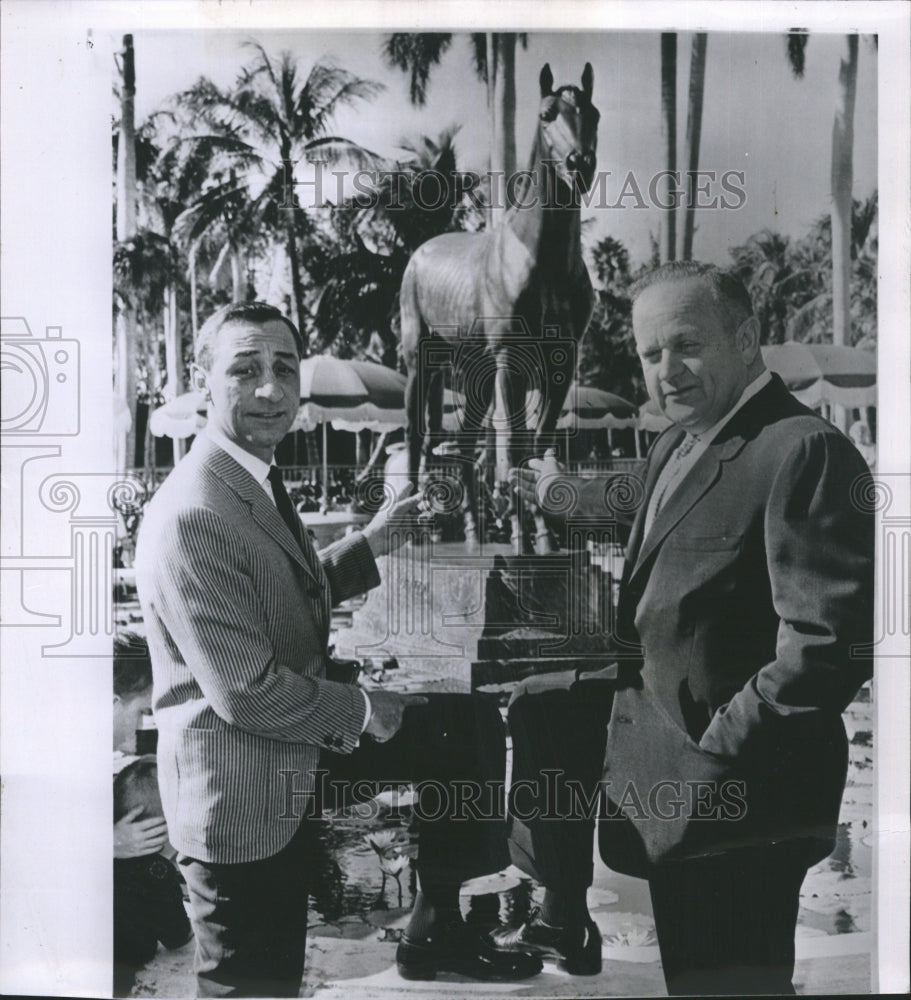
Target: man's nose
x=669, y=366
x=270, y=389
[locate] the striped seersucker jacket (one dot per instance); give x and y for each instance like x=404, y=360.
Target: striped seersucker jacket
x=237, y=619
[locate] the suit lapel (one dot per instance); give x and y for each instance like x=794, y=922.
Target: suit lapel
x=661, y=453
x=251, y=492
x=694, y=486
x=701, y=478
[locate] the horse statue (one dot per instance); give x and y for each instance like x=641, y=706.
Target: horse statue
x=505, y=309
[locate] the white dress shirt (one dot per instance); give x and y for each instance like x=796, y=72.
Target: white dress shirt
x=691, y=449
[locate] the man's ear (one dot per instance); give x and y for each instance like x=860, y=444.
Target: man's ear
x=199, y=379
x=748, y=339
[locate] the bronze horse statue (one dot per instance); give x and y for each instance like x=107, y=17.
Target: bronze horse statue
x=506, y=308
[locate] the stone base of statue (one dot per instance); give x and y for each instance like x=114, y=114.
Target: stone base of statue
x=483, y=621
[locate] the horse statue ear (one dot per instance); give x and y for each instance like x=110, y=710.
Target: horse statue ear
x=588, y=80
x=546, y=80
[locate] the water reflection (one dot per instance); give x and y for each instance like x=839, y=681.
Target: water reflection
x=348, y=880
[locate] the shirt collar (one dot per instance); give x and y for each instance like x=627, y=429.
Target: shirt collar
x=758, y=383
x=257, y=468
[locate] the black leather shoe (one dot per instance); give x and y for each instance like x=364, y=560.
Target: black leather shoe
x=459, y=948
x=577, y=947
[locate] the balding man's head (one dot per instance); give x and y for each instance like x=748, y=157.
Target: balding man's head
x=698, y=341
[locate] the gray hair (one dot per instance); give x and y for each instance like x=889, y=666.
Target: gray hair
x=239, y=312
x=727, y=290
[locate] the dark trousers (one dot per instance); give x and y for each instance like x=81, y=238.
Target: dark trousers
x=725, y=922
x=250, y=919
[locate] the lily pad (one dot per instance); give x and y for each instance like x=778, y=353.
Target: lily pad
x=485, y=884
x=602, y=897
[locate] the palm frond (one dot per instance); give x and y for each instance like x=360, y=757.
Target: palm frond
x=416, y=54
x=333, y=149
x=796, y=41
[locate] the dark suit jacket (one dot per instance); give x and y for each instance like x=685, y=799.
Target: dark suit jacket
x=743, y=611
x=237, y=619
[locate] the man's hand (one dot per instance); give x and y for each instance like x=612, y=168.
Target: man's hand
x=387, y=709
x=540, y=484
x=135, y=837
x=387, y=530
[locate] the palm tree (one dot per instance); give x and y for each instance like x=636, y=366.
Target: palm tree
x=218, y=220
x=400, y=199
x=148, y=265
x=144, y=271
x=494, y=56
x=842, y=192
x=125, y=153
x=842, y=174
x=270, y=119
x=790, y=281
x=359, y=270
x=173, y=176
x=767, y=266
x=607, y=356
x=842, y=181
x=693, y=135
x=669, y=122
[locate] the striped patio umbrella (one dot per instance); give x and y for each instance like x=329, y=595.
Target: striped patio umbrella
x=179, y=418
x=352, y=394
x=825, y=373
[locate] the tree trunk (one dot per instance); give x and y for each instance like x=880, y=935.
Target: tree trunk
x=509, y=102
x=669, y=121
x=148, y=458
x=693, y=135
x=842, y=203
x=173, y=357
x=842, y=192
x=495, y=187
x=297, y=286
x=127, y=353
x=238, y=289
x=194, y=313
x=501, y=90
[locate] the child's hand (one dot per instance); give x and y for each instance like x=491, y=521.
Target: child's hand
x=135, y=837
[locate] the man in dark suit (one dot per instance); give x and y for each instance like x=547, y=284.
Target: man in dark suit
x=237, y=608
x=743, y=631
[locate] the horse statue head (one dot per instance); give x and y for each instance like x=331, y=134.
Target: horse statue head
x=568, y=129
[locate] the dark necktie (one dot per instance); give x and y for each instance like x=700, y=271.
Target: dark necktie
x=667, y=479
x=284, y=505
x=289, y=516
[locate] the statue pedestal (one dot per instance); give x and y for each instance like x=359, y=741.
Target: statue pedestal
x=483, y=621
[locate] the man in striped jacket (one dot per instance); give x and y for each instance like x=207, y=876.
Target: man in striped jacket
x=237, y=604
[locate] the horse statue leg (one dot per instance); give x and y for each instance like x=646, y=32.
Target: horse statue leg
x=415, y=397
x=511, y=387
x=475, y=410
x=554, y=393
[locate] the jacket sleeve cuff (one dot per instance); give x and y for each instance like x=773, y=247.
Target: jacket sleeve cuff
x=368, y=710
x=350, y=567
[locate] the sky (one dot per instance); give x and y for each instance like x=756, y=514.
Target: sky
x=757, y=118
